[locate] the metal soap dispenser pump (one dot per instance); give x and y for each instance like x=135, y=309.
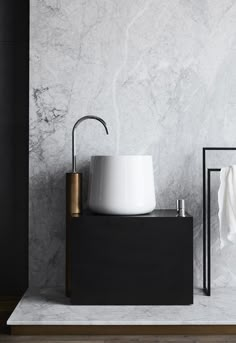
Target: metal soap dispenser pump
x=74, y=201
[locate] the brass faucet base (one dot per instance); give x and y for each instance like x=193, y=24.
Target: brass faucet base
x=73, y=193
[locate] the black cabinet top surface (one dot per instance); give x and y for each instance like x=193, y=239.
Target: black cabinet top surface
x=154, y=214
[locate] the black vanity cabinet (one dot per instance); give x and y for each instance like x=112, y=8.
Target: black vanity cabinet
x=132, y=260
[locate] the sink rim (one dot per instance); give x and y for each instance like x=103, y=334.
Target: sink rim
x=119, y=156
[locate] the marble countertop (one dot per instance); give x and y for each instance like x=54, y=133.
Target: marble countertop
x=51, y=307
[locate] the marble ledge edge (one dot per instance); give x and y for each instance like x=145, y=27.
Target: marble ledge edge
x=125, y=323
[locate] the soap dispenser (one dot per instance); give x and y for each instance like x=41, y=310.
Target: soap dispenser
x=74, y=203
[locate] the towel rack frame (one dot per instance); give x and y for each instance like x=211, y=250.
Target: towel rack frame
x=206, y=174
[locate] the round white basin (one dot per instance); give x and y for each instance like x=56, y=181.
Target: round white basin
x=121, y=185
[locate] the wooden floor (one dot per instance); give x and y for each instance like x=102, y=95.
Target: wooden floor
x=7, y=305
x=118, y=339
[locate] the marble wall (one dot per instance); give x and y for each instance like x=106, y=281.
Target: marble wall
x=162, y=74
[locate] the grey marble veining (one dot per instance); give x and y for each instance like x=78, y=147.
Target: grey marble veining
x=51, y=307
x=162, y=74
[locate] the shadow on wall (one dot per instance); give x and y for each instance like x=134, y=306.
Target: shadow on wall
x=47, y=235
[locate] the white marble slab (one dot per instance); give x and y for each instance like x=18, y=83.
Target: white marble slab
x=51, y=307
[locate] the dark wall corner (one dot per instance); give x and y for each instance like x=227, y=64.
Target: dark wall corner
x=14, y=122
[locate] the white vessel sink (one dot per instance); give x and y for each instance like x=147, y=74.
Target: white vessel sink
x=121, y=185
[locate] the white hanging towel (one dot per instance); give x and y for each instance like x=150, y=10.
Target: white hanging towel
x=227, y=205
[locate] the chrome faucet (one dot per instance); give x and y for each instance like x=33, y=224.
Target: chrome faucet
x=74, y=138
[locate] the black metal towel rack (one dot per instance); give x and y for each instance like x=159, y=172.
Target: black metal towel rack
x=207, y=217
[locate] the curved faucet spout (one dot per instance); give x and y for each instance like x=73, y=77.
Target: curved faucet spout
x=74, y=138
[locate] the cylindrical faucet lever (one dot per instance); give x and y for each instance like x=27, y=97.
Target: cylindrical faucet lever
x=74, y=138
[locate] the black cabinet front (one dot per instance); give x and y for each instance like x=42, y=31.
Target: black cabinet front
x=143, y=260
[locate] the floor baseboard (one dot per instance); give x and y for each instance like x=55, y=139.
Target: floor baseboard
x=123, y=329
